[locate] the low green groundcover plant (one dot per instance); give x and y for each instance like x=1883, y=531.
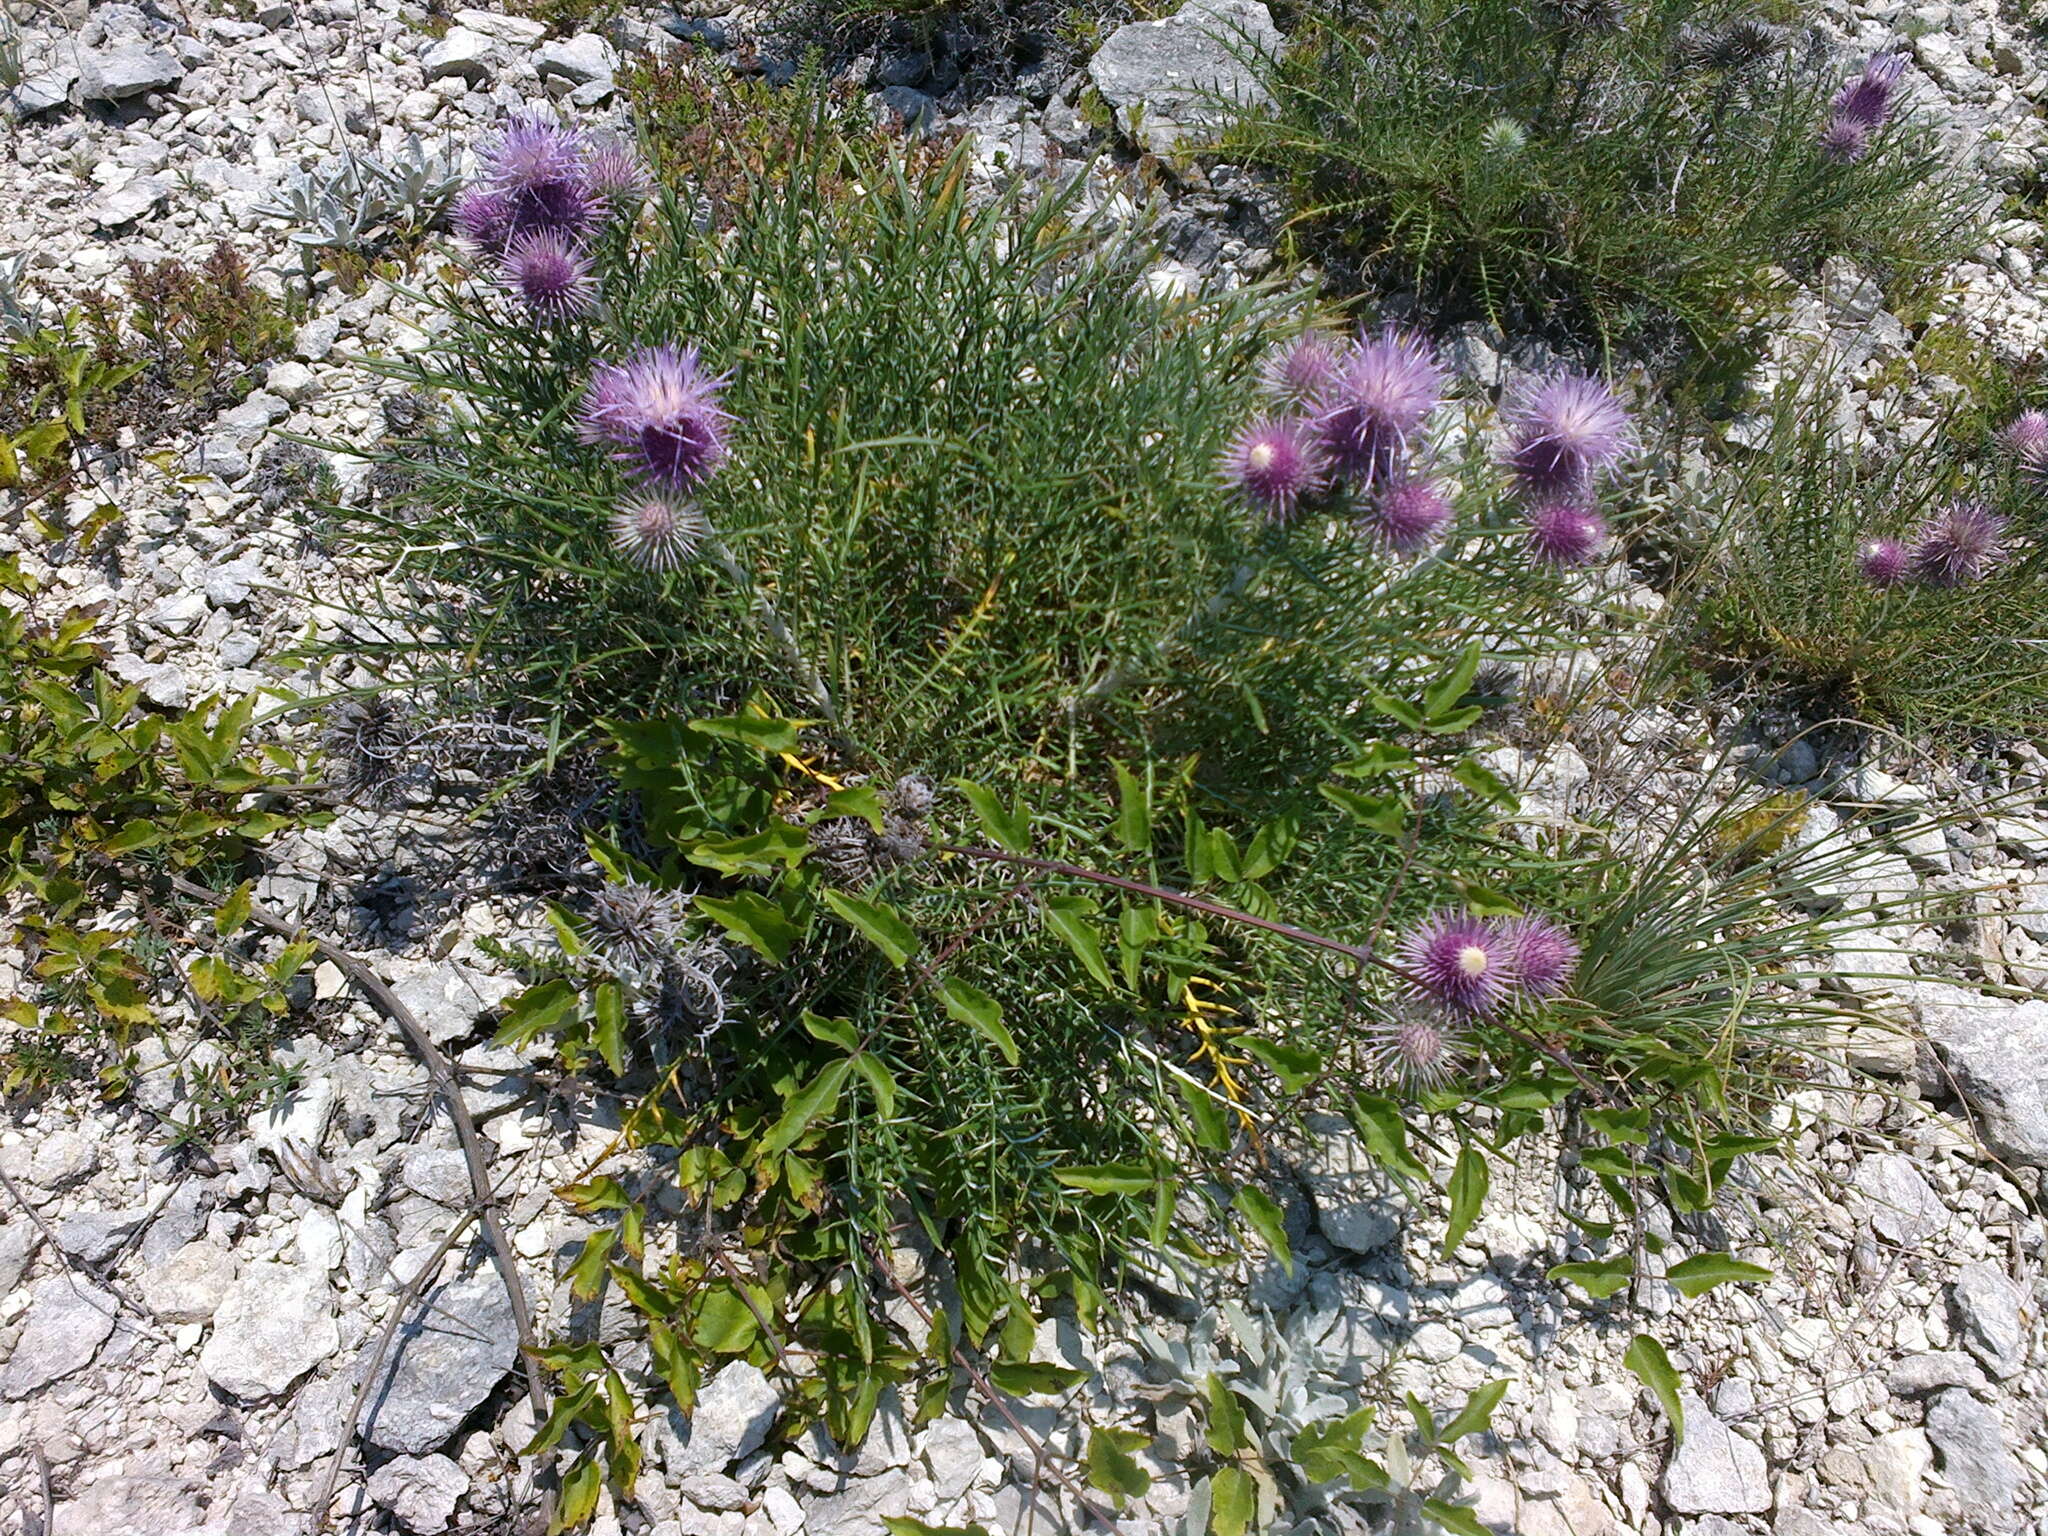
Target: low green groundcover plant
x=1621, y=171
x=1048, y=715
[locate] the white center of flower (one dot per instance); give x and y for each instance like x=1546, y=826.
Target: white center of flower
x=1473, y=960
x=1261, y=456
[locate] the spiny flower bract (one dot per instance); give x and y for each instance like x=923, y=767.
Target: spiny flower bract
x=1565, y=532
x=1542, y=955
x=1385, y=388
x=549, y=273
x=1405, y=516
x=483, y=217
x=2026, y=435
x=1960, y=543
x=1297, y=373
x=1563, y=433
x=657, y=533
x=1844, y=142
x=1416, y=1047
x=1458, y=961
x=1273, y=464
x=1883, y=562
x=632, y=927
x=613, y=169
x=659, y=410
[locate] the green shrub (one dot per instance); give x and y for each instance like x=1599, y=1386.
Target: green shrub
x=1621, y=172
x=207, y=328
x=1780, y=600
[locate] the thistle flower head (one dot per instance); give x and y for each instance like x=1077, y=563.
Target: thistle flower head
x=1843, y=141
x=657, y=533
x=536, y=167
x=1273, y=464
x=632, y=927
x=370, y=740
x=483, y=217
x=1866, y=101
x=613, y=169
x=1565, y=532
x=1406, y=515
x=1457, y=961
x=1563, y=432
x=1883, y=562
x=1541, y=955
x=549, y=273
x=1960, y=543
x=659, y=410
x=1296, y=374
x=2026, y=435
x=1385, y=387
x=1415, y=1047
x=1504, y=136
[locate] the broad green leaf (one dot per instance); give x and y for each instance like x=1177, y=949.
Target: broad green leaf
x=1702, y=1272
x=1111, y=1467
x=1380, y=760
x=1134, y=811
x=586, y=1275
x=881, y=1082
x=1226, y=1434
x=1646, y=1357
x=839, y=1032
x=1233, y=1501
x=1454, y=685
x=1296, y=1066
x=973, y=1007
x=1009, y=830
x=754, y=920
x=1270, y=847
x=1385, y=1134
x=863, y=801
x=818, y=1097
x=1476, y=1416
x=581, y=1485
x=725, y=1324
x=1258, y=1208
x=535, y=1010
x=1384, y=814
x=235, y=910
x=1457, y=720
x=1071, y=917
x=608, y=1029
x=1211, y=1118
x=762, y=853
x=1470, y=1180
x=1401, y=714
x=139, y=833
x=1458, y=1519
x=877, y=922
x=1107, y=1178
x=1600, y=1279
x=1489, y=786
x=1024, y=1378
x=767, y=736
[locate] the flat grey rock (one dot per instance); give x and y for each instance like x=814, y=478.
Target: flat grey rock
x=1715, y=1471
x=93, y=1237
x=421, y=1491
x=734, y=1413
x=1902, y=1205
x=134, y=69
x=276, y=1323
x=1997, y=1050
x=1918, y=1375
x=461, y=54
x=447, y=1358
x=189, y=1286
x=1992, y=1311
x=68, y=1320
x=1975, y=1458
x=1173, y=81
x=582, y=60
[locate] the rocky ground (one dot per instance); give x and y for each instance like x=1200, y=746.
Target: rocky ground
x=183, y=1334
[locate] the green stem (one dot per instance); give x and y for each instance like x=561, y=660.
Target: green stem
x=808, y=676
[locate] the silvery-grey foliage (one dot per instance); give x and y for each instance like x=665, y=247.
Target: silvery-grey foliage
x=361, y=200
x=19, y=315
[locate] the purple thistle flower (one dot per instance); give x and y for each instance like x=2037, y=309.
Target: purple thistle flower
x=1459, y=961
x=660, y=411
x=1542, y=955
x=1563, y=432
x=2027, y=436
x=1844, y=142
x=1273, y=464
x=1415, y=1047
x=613, y=169
x=1565, y=532
x=550, y=274
x=483, y=217
x=1405, y=516
x=1297, y=375
x=657, y=533
x=1866, y=101
x=538, y=168
x=1385, y=387
x=1960, y=543
x=1883, y=562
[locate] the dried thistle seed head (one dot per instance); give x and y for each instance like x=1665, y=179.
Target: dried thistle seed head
x=690, y=990
x=657, y=533
x=1497, y=687
x=843, y=849
x=371, y=741
x=913, y=796
x=406, y=413
x=1504, y=136
x=1592, y=15
x=1743, y=44
x=901, y=841
x=632, y=927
